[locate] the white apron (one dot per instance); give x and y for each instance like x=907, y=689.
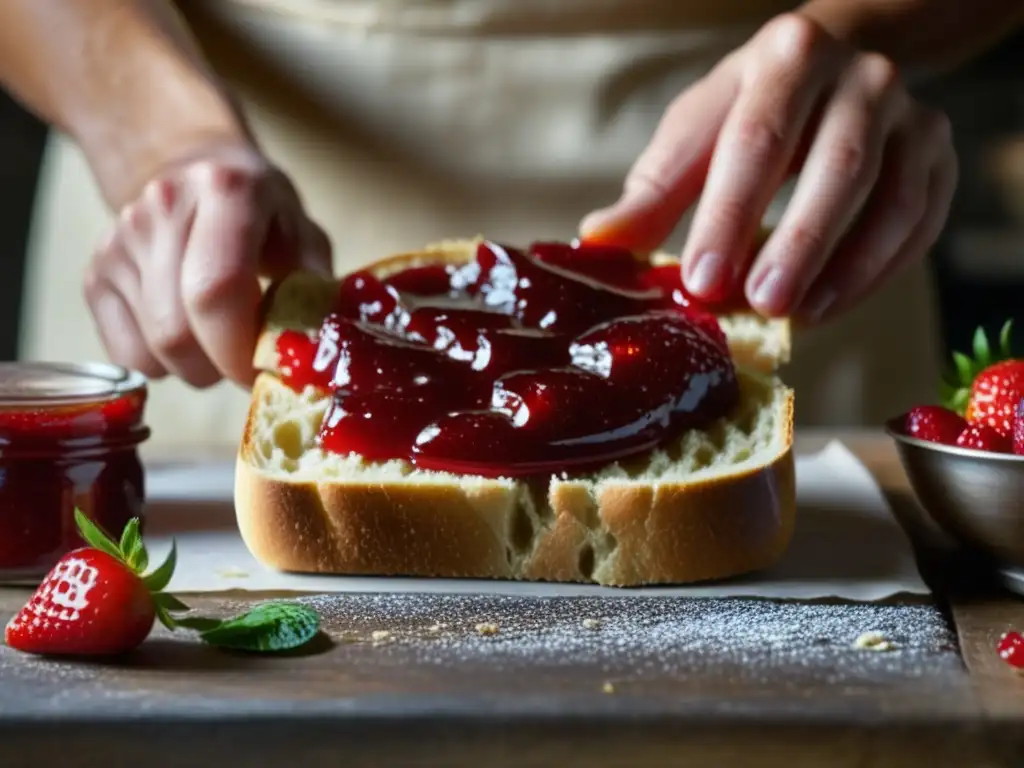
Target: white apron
x=408, y=121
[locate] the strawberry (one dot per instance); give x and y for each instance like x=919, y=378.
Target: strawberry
x=934, y=424
x=95, y=601
x=1018, y=429
x=982, y=437
x=988, y=387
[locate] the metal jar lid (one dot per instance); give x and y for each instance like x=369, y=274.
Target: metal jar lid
x=42, y=384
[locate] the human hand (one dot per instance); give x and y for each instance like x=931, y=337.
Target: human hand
x=877, y=172
x=175, y=287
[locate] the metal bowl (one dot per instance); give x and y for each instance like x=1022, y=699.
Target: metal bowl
x=976, y=497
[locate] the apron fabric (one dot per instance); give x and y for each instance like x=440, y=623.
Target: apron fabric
x=405, y=122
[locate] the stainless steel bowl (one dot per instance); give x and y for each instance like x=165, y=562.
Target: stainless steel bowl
x=976, y=497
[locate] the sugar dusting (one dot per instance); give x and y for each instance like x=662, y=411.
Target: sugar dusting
x=648, y=636
x=690, y=650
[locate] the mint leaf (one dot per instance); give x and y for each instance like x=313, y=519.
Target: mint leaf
x=161, y=577
x=267, y=627
x=95, y=537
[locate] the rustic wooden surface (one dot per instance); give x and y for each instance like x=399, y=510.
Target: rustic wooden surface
x=534, y=695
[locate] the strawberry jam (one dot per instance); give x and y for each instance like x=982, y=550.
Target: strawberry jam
x=556, y=358
x=68, y=438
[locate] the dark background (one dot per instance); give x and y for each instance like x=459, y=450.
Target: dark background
x=979, y=262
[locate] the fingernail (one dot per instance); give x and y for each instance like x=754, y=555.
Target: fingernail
x=769, y=290
x=593, y=222
x=707, y=273
x=820, y=304
x=622, y=210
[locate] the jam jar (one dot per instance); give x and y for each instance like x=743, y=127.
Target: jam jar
x=69, y=437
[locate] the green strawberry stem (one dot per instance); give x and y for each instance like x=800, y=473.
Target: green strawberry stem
x=955, y=392
x=268, y=627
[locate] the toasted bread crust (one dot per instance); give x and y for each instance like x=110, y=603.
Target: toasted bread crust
x=628, y=534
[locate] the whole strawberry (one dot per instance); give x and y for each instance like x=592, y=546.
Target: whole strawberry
x=934, y=424
x=990, y=386
x=982, y=437
x=95, y=601
x=1018, y=429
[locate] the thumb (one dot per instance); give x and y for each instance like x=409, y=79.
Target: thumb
x=294, y=242
x=669, y=174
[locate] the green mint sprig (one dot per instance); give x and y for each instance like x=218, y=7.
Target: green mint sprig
x=267, y=628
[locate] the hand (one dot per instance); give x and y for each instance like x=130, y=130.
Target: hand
x=877, y=172
x=175, y=288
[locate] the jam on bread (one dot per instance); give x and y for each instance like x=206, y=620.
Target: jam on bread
x=556, y=358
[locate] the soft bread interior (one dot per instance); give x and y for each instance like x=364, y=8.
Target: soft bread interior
x=284, y=423
x=712, y=504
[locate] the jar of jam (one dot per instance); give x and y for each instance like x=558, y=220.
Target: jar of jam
x=69, y=437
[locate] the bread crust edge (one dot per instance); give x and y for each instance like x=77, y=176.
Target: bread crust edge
x=625, y=534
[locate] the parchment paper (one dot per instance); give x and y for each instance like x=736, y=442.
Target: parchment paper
x=847, y=544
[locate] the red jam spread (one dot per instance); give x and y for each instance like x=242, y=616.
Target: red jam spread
x=68, y=437
x=557, y=358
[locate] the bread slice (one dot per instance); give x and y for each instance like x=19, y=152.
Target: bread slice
x=712, y=504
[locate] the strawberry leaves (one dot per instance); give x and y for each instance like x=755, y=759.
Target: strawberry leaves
x=955, y=392
x=268, y=627
x=134, y=552
x=96, y=538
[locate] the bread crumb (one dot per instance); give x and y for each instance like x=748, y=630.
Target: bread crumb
x=487, y=628
x=608, y=687
x=380, y=635
x=232, y=573
x=591, y=623
x=873, y=641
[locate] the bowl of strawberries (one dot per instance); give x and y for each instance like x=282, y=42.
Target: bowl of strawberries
x=964, y=457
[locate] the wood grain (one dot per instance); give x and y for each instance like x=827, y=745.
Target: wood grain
x=413, y=699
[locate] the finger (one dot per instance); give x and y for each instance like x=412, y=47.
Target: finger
x=668, y=175
x=754, y=153
x=316, y=252
x=219, y=278
x=114, y=320
x=842, y=166
x=893, y=212
x=295, y=243
x=931, y=132
x=165, y=322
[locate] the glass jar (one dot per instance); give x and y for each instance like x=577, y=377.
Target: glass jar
x=69, y=437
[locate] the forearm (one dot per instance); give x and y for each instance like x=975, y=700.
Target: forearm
x=922, y=36
x=123, y=78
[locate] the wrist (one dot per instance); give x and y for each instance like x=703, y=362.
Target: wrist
x=146, y=99
x=128, y=147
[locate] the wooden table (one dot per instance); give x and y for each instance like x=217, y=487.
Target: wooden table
x=550, y=691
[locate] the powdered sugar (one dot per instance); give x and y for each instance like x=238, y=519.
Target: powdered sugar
x=563, y=655
x=642, y=637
